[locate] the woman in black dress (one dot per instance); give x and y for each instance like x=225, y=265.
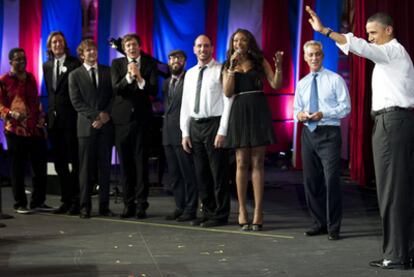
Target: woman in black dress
x=250, y=122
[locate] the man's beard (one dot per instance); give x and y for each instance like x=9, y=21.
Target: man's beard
x=176, y=70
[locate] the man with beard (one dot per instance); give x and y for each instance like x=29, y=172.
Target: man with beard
x=203, y=122
x=180, y=163
x=62, y=120
x=134, y=81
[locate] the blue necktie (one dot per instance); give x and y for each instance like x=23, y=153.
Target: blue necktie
x=313, y=103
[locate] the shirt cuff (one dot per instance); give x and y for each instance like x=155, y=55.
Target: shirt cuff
x=141, y=85
x=129, y=78
x=345, y=47
x=222, y=131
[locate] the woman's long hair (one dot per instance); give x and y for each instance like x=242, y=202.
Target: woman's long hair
x=254, y=53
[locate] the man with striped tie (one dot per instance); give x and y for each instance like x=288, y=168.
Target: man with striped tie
x=321, y=100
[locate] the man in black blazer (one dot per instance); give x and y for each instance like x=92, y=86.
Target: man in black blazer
x=180, y=163
x=134, y=80
x=90, y=91
x=62, y=120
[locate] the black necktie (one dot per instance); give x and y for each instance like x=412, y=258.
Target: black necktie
x=57, y=72
x=171, y=90
x=198, y=92
x=93, y=75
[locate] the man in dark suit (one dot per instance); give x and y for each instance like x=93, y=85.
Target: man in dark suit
x=180, y=163
x=90, y=91
x=62, y=120
x=134, y=80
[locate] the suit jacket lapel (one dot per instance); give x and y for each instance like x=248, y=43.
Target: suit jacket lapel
x=49, y=75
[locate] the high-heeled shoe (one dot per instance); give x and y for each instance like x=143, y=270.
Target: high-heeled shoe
x=257, y=227
x=244, y=226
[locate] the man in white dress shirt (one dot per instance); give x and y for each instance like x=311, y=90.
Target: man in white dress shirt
x=203, y=122
x=393, y=136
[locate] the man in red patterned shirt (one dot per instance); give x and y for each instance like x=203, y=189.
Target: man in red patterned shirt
x=23, y=123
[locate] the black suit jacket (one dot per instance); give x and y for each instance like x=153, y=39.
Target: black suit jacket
x=87, y=100
x=61, y=113
x=171, y=132
x=132, y=104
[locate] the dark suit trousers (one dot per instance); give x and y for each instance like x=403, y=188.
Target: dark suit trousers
x=95, y=154
x=393, y=148
x=181, y=170
x=21, y=150
x=211, y=168
x=321, y=172
x=130, y=140
x=65, y=151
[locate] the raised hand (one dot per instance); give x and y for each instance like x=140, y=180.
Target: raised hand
x=278, y=59
x=314, y=21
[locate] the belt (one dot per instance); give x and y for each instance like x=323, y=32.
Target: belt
x=205, y=119
x=389, y=109
x=250, y=92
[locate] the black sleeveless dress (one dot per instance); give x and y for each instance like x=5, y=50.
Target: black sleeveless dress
x=250, y=121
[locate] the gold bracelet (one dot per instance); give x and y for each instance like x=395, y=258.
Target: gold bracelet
x=230, y=72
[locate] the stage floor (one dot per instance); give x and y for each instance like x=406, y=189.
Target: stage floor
x=44, y=244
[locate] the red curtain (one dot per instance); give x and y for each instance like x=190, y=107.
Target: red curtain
x=144, y=23
x=211, y=21
x=276, y=37
x=30, y=33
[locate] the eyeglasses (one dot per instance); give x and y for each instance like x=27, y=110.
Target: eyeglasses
x=19, y=60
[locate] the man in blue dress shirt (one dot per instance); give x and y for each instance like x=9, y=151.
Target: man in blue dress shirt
x=321, y=100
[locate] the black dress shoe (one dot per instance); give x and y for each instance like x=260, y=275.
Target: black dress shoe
x=334, y=236
x=74, y=209
x=316, y=231
x=213, y=223
x=128, y=212
x=141, y=214
x=62, y=209
x=186, y=217
x=174, y=215
x=388, y=264
x=106, y=212
x=85, y=214
x=198, y=221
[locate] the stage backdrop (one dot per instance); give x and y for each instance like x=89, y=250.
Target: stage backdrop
x=165, y=25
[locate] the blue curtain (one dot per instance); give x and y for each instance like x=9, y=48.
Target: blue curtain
x=104, y=28
x=1, y=26
x=176, y=25
x=65, y=16
x=222, y=26
x=330, y=13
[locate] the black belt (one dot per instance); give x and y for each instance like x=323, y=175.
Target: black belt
x=390, y=109
x=205, y=119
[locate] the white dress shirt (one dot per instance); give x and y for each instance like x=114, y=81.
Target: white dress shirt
x=129, y=79
x=88, y=68
x=212, y=100
x=333, y=97
x=393, y=75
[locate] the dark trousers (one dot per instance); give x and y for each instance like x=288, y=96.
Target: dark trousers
x=181, y=169
x=95, y=154
x=21, y=150
x=65, y=151
x=393, y=148
x=321, y=171
x=211, y=168
x=132, y=148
